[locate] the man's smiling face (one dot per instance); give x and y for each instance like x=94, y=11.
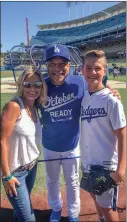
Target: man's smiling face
x=58, y=69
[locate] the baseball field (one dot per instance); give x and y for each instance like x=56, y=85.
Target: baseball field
x=39, y=193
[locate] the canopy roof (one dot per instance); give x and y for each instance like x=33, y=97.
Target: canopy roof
x=110, y=10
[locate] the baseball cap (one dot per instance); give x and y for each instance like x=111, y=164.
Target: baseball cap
x=57, y=50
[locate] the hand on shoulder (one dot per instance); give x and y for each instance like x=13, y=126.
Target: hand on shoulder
x=115, y=92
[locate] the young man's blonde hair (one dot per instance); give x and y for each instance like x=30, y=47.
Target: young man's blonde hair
x=27, y=71
x=95, y=54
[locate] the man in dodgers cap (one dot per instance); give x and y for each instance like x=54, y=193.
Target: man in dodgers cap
x=60, y=132
x=57, y=51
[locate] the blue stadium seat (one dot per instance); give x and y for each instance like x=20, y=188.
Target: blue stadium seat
x=79, y=33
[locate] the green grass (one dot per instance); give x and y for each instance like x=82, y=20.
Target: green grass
x=5, y=97
x=121, y=78
x=7, y=74
x=124, y=98
x=40, y=183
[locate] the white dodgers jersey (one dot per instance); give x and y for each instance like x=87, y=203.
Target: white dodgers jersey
x=101, y=113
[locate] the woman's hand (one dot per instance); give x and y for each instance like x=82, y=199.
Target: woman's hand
x=10, y=186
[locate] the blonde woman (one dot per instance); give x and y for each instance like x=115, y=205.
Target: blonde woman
x=20, y=135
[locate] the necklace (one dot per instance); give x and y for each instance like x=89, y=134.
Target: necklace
x=31, y=112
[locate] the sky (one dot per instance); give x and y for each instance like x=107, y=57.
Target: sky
x=13, y=16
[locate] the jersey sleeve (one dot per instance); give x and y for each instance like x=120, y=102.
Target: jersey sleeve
x=85, y=86
x=81, y=82
x=116, y=113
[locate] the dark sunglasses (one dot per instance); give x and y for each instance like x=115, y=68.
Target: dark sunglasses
x=35, y=84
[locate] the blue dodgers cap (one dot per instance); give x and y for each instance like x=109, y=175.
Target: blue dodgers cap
x=57, y=50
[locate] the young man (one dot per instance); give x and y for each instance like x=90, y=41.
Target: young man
x=104, y=142
x=60, y=133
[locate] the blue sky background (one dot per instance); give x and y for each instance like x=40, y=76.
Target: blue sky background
x=13, y=14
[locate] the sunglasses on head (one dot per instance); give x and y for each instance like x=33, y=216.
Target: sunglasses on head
x=35, y=84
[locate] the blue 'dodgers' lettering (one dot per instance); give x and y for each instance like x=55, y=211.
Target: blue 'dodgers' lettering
x=91, y=113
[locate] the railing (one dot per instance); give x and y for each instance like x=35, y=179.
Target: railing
x=20, y=56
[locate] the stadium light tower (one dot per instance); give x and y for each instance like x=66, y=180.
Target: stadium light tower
x=84, y=8
x=90, y=7
x=76, y=3
x=68, y=4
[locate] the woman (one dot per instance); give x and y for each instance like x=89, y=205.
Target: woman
x=20, y=135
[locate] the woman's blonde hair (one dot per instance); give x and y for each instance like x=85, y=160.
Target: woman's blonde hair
x=27, y=71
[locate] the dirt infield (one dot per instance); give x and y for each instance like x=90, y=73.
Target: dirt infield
x=116, y=84
x=42, y=211
x=8, y=85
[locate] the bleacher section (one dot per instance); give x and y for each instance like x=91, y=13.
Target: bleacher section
x=115, y=48
x=80, y=33
x=112, y=48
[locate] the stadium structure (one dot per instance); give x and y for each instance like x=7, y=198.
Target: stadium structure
x=103, y=30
